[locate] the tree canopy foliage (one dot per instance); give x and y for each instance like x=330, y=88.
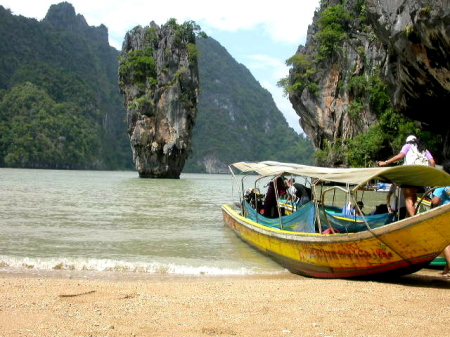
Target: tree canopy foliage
x=60, y=106
x=36, y=131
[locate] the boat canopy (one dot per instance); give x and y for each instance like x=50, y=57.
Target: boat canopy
x=415, y=175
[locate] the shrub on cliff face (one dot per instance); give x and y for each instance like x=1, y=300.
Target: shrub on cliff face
x=363, y=149
x=139, y=65
x=302, y=78
x=389, y=134
x=333, y=27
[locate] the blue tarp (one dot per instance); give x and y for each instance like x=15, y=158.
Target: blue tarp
x=352, y=223
x=303, y=220
x=300, y=221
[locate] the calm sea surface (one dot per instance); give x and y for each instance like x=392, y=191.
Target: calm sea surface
x=112, y=223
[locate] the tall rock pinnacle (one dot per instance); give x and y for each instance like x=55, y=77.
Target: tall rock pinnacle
x=158, y=78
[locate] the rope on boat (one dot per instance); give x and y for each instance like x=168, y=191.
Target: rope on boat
x=351, y=195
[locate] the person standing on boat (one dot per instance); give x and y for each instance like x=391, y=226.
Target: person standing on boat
x=298, y=193
x=441, y=196
x=413, y=153
x=276, y=189
x=398, y=204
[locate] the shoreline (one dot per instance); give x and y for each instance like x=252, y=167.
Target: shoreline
x=248, y=305
x=132, y=276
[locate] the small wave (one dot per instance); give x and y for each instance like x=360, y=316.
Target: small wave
x=107, y=265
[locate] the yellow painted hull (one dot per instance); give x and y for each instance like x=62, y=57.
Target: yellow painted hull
x=399, y=248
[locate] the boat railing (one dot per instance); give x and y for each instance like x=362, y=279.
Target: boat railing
x=424, y=203
x=350, y=197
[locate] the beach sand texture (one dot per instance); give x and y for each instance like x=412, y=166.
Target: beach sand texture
x=281, y=305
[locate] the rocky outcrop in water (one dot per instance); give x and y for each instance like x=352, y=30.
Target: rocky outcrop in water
x=158, y=78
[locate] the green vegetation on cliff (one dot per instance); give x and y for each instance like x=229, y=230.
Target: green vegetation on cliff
x=340, y=34
x=36, y=131
x=60, y=106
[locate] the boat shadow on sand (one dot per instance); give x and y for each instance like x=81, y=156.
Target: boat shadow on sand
x=425, y=278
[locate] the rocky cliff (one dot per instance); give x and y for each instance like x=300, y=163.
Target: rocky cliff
x=158, y=78
x=334, y=77
x=416, y=65
x=332, y=108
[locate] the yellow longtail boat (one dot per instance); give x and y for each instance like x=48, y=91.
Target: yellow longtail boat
x=355, y=246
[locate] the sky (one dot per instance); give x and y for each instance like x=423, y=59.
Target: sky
x=259, y=34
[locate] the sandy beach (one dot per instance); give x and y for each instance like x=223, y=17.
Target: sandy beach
x=281, y=305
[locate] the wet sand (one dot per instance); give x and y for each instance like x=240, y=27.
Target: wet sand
x=281, y=305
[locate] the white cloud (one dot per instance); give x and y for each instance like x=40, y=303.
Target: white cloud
x=277, y=67
x=285, y=22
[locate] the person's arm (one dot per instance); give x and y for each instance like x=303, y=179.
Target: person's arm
x=430, y=158
x=435, y=202
x=392, y=160
x=435, y=197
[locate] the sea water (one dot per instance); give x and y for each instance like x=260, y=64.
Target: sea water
x=111, y=223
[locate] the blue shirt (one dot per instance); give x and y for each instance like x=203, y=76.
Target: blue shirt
x=443, y=193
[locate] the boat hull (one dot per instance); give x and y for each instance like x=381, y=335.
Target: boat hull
x=396, y=249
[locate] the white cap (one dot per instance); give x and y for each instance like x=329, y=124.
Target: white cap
x=411, y=138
